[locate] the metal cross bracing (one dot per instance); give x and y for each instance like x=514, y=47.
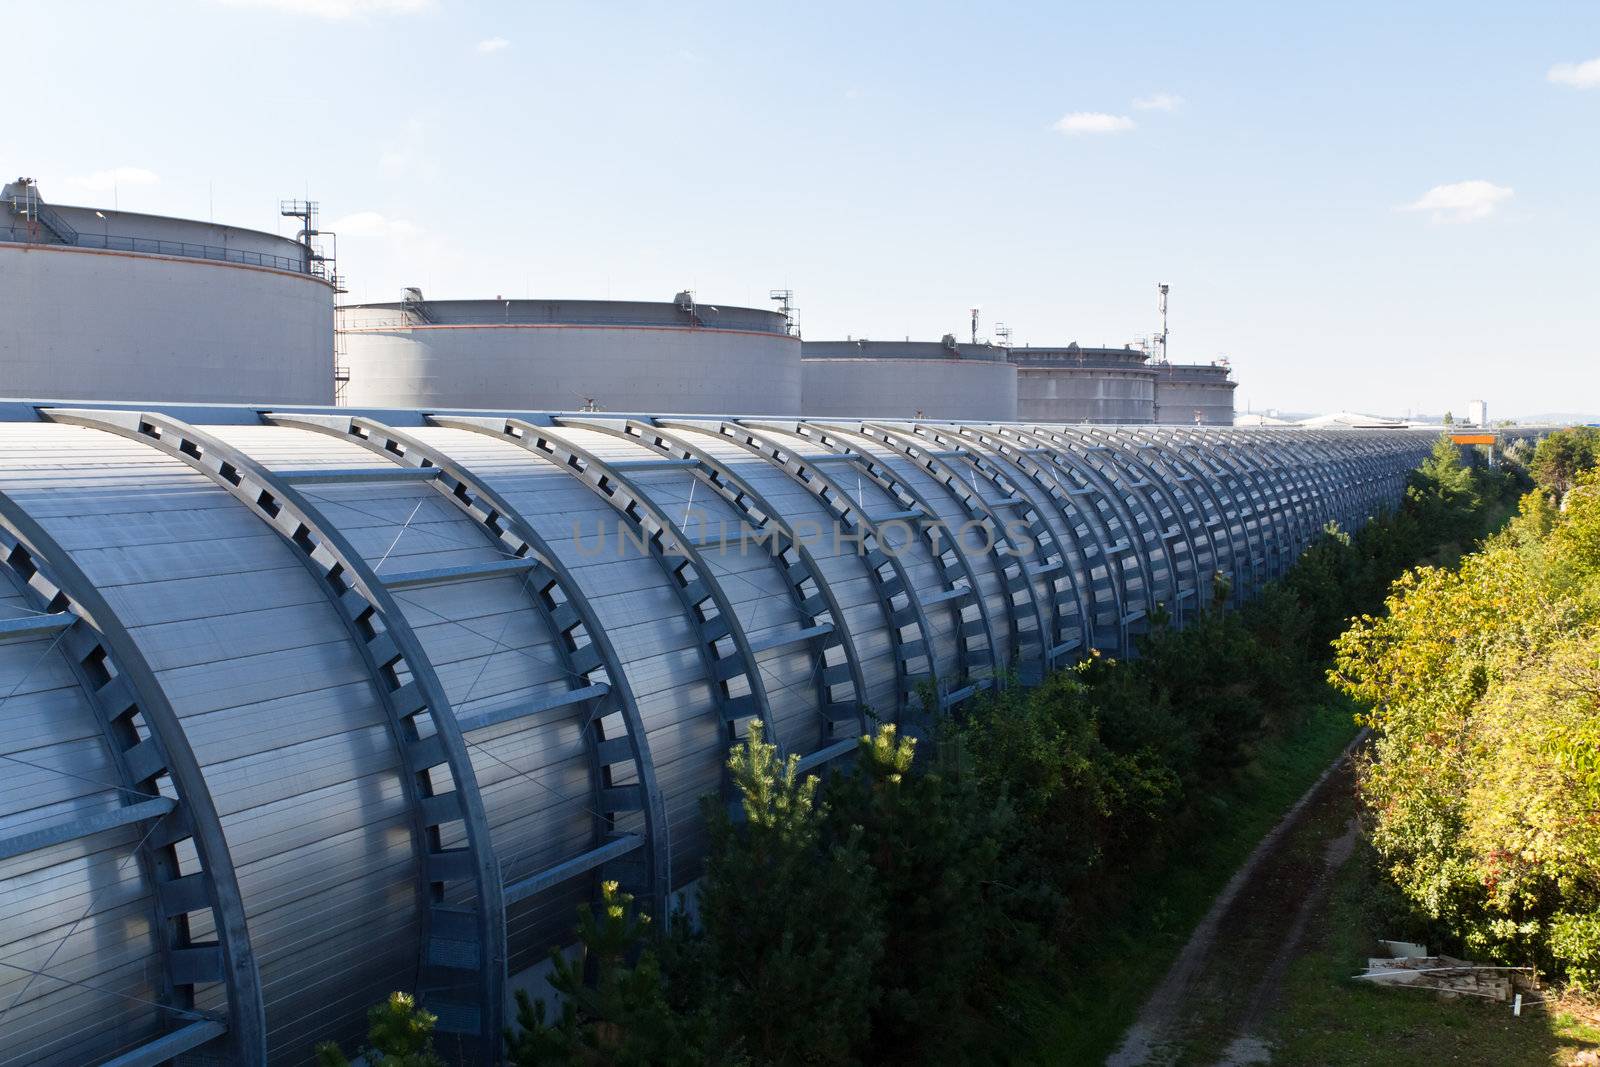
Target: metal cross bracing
x=836, y=668
x=599, y=692
x=161, y=793
x=910, y=634
x=738, y=688
x=1028, y=578
x=977, y=651
x=461, y=975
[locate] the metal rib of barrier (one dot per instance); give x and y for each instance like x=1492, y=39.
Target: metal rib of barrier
x=840, y=686
x=580, y=641
x=1027, y=629
x=1038, y=572
x=976, y=647
x=721, y=643
x=1136, y=490
x=891, y=585
x=1094, y=548
x=463, y=909
x=148, y=748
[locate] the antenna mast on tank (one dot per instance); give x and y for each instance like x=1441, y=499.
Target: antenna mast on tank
x=974, y=325
x=1161, y=305
x=1002, y=334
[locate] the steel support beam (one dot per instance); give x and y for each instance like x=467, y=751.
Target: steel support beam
x=458, y=938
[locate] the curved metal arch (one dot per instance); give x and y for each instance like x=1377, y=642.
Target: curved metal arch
x=1246, y=498
x=1059, y=479
x=1286, y=472
x=118, y=682
x=895, y=585
x=1173, y=483
x=1092, y=465
x=952, y=563
x=1139, y=483
x=1330, y=477
x=803, y=582
x=1052, y=636
x=1178, y=495
x=581, y=642
x=1067, y=513
x=1220, y=518
x=1121, y=535
x=692, y=581
x=1278, y=498
x=457, y=937
x=1008, y=562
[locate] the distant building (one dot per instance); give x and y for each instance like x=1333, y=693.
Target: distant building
x=1478, y=413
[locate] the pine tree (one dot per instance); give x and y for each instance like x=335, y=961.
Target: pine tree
x=792, y=923
x=618, y=1014
x=399, y=1034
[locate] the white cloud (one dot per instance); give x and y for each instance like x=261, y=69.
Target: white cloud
x=493, y=44
x=1093, y=122
x=1159, y=102
x=336, y=9
x=103, y=181
x=1462, y=201
x=374, y=224
x=1585, y=75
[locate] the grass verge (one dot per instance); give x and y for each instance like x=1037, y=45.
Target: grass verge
x=1323, y=1016
x=1078, y=1014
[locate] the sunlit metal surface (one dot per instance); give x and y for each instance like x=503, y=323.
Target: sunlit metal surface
x=301, y=707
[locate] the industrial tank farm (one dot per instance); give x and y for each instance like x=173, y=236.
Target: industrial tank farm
x=908, y=379
x=568, y=355
x=1074, y=384
x=306, y=707
x=1194, y=394
x=104, y=304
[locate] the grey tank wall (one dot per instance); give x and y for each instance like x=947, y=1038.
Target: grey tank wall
x=1110, y=395
x=902, y=387
x=107, y=325
x=1194, y=395
x=423, y=707
x=558, y=366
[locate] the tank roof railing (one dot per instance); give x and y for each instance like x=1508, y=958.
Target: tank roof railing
x=150, y=246
x=402, y=321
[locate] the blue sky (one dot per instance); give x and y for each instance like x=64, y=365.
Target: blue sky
x=1279, y=165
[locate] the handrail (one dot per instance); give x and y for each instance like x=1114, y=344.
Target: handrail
x=112, y=242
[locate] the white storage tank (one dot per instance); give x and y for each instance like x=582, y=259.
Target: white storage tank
x=1073, y=384
x=566, y=355
x=1189, y=394
x=98, y=304
x=908, y=379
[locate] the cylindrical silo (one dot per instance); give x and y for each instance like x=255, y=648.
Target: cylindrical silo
x=1199, y=393
x=97, y=304
x=1075, y=384
x=568, y=355
x=908, y=379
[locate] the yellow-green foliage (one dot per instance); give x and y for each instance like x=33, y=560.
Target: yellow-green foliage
x=1483, y=687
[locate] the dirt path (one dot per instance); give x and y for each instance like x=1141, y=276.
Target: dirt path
x=1223, y=981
